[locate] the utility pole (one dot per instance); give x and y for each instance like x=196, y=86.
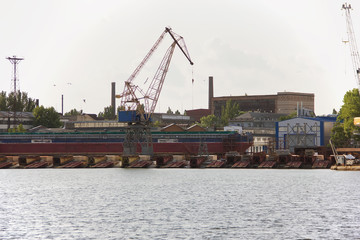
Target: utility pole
x=15, y=61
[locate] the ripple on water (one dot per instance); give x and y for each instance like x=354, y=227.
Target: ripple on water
x=178, y=203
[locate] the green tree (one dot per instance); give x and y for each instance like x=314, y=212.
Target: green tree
x=74, y=112
x=349, y=110
x=343, y=131
x=228, y=112
x=156, y=124
x=209, y=121
x=20, y=129
x=177, y=112
x=290, y=116
x=47, y=117
x=338, y=135
x=107, y=113
x=3, y=101
x=334, y=111
x=19, y=102
x=169, y=111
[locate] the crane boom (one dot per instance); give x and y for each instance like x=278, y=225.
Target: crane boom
x=125, y=95
x=353, y=45
x=179, y=40
x=153, y=92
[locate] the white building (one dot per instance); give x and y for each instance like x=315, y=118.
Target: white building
x=261, y=126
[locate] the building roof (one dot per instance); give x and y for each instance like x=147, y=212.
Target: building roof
x=266, y=96
x=195, y=127
x=173, y=127
x=6, y=114
x=198, y=113
x=171, y=118
x=258, y=115
x=320, y=119
x=42, y=129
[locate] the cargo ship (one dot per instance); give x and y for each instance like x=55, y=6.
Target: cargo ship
x=216, y=142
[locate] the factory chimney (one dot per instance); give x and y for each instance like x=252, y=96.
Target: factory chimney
x=62, y=105
x=113, y=99
x=211, y=93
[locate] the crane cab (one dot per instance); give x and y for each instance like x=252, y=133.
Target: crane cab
x=132, y=116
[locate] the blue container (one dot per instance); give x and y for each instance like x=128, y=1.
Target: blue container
x=128, y=116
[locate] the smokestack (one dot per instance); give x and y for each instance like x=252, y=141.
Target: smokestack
x=211, y=93
x=62, y=105
x=297, y=109
x=113, y=98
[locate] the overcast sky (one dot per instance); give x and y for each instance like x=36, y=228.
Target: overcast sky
x=78, y=47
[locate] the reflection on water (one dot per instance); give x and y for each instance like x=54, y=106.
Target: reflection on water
x=178, y=203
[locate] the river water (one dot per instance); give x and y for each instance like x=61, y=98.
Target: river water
x=179, y=204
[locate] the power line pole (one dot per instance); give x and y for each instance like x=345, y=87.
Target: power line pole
x=15, y=61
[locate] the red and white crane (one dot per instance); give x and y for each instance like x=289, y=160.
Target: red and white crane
x=137, y=105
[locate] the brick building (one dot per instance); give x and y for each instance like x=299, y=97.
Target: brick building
x=282, y=102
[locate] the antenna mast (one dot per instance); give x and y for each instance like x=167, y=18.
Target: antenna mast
x=14, y=60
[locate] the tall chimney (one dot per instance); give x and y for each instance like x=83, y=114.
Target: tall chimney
x=62, y=105
x=211, y=93
x=113, y=98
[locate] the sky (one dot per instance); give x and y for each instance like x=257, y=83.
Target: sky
x=76, y=48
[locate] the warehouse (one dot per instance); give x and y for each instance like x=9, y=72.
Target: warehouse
x=303, y=132
x=282, y=102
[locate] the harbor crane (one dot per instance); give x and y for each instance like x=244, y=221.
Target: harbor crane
x=352, y=43
x=353, y=50
x=137, y=105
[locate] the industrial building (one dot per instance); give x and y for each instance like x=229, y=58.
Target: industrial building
x=165, y=119
x=197, y=114
x=304, y=132
x=261, y=126
x=282, y=102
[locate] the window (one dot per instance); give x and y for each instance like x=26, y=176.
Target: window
x=283, y=129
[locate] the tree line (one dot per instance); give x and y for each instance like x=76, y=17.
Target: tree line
x=19, y=102
x=344, y=132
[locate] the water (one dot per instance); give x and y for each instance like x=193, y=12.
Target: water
x=179, y=204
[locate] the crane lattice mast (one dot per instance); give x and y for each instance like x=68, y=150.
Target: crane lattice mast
x=352, y=43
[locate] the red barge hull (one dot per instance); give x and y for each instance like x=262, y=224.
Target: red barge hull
x=113, y=148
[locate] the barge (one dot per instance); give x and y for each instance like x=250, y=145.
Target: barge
x=87, y=143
